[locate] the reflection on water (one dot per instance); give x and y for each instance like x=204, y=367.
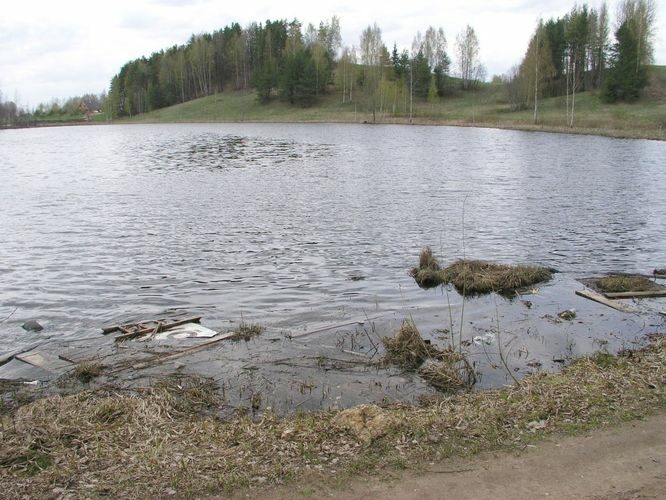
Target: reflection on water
x=301, y=225
x=209, y=150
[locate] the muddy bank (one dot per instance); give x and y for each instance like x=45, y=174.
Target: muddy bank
x=168, y=440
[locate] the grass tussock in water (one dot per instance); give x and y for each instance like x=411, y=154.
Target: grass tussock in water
x=624, y=283
x=159, y=443
x=247, y=331
x=407, y=348
x=428, y=274
x=476, y=277
x=445, y=369
x=451, y=372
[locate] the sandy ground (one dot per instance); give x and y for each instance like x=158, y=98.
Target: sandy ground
x=623, y=462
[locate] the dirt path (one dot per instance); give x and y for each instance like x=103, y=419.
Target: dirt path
x=625, y=462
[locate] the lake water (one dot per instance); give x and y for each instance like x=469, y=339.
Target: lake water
x=297, y=226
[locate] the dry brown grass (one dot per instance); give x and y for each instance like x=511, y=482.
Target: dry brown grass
x=476, y=277
x=114, y=444
x=451, y=372
x=625, y=283
x=87, y=371
x=445, y=369
x=407, y=348
x=428, y=272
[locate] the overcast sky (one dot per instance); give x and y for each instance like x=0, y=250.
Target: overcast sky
x=58, y=49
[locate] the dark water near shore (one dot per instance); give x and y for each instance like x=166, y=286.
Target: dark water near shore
x=298, y=226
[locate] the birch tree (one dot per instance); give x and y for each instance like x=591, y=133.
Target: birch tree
x=371, y=56
x=467, y=52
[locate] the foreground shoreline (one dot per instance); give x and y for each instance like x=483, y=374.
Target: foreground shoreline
x=168, y=441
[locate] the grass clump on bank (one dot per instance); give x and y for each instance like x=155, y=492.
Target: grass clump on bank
x=157, y=443
x=477, y=277
x=625, y=283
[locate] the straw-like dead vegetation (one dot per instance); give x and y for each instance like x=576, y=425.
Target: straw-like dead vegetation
x=445, y=369
x=87, y=370
x=407, y=348
x=154, y=444
x=476, y=277
x=451, y=372
x=625, y=283
x=428, y=274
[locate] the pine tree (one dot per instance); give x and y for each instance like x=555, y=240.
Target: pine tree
x=625, y=79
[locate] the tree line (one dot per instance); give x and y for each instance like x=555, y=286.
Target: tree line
x=285, y=60
x=574, y=53
x=13, y=114
x=276, y=55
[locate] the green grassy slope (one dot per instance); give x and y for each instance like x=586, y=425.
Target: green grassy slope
x=486, y=106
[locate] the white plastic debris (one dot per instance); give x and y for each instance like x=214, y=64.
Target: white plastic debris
x=186, y=331
x=486, y=339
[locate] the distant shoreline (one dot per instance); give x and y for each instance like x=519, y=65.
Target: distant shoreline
x=656, y=135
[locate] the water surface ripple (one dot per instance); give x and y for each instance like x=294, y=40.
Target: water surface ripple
x=300, y=225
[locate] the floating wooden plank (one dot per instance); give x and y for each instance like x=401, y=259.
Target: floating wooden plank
x=589, y=294
x=333, y=327
x=200, y=347
x=159, y=327
x=631, y=295
x=43, y=360
x=8, y=356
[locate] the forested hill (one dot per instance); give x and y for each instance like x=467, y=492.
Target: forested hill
x=301, y=65
x=269, y=56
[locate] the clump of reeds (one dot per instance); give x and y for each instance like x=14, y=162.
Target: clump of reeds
x=624, y=283
x=428, y=274
x=88, y=370
x=476, y=277
x=451, y=371
x=246, y=331
x=444, y=369
x=408, y=348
